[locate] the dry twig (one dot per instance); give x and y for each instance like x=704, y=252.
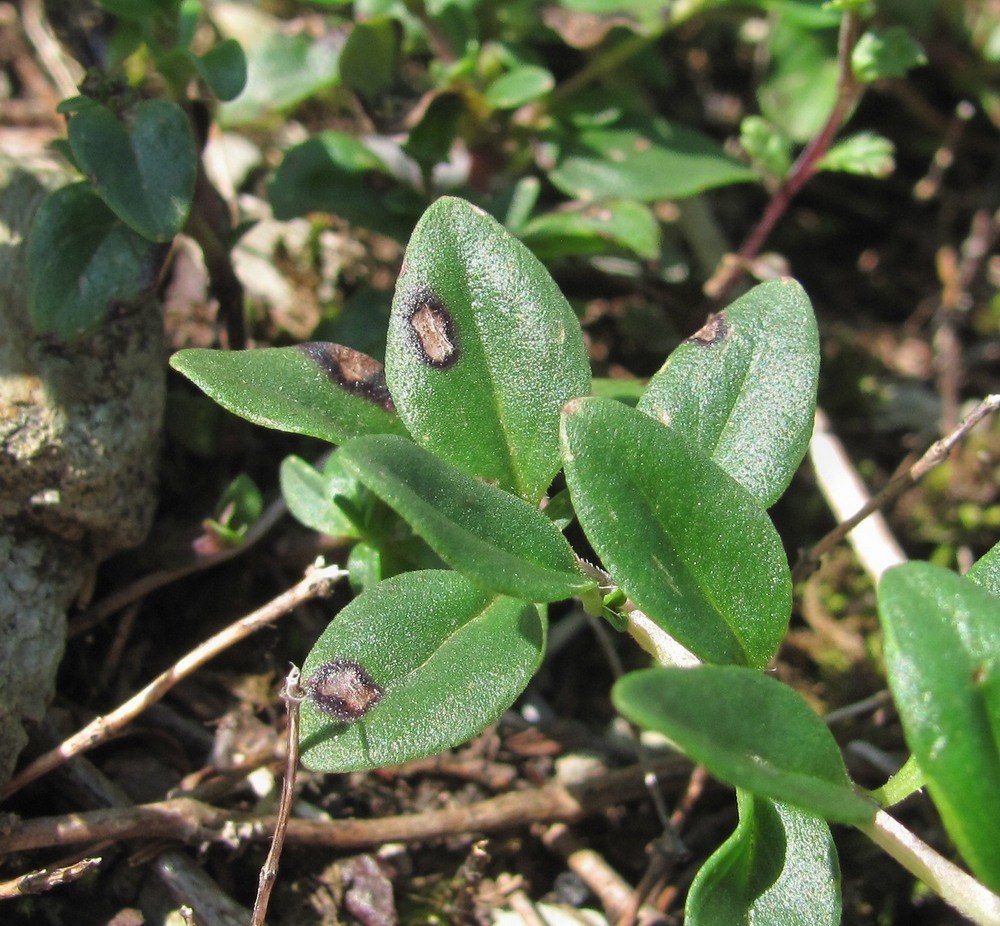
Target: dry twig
x=318, y=582
x=292, y=695
x=195, y=822
x=37, y=882
x=877, y=556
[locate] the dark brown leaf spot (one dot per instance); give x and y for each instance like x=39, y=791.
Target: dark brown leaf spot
x=714, y=330
x=430, y=329
x=353, y=371
x=344, y=689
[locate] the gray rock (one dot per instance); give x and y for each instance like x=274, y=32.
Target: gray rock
x=79, y=438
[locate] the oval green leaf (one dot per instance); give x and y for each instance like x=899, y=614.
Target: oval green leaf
x=747, y=729
x=224, y=68
x=691, y=547
x=84, y=264
x=483, y=349
x=743, y=389
x=323, y=390
x=942, y=656
x=519, y=86
x=642, y=158
x=487, y=534
x=597, y=228
x=143, y=165
x=449, y=656
x=335, y=172
x=779, y=866
x=311, y=495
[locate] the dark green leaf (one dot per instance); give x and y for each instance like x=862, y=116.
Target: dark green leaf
x=942, y=655
x=335, y=172
x=483, y=350
x=598, y=228
x=368, y=61
x=224, y=68
x=312, y=495
x=84, y=264
x=780, y=866
x=143, y=166
x=743, y=389
x=747, y=729
x=489, y=535
x=283, y=70
x=691, y=547
x=431, y=139
x=643, y=159
x=324, y=390
x=449, y=656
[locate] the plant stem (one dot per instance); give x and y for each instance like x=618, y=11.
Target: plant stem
x=805, y=167
x=957, y=888
x=292, y=694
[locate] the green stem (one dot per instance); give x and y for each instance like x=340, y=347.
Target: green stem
x=908, y=780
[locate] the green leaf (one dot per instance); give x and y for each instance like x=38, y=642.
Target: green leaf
x=283, y=70
x=598, y=228
x=224, y=68
x=867, y=154
x=368, y=61
x=747, y=729
x=801, y=88
x=84, y=264
x=779, y=866
x=691, y=547
x=335, y=172
x=431, y=139
x=311, y=495
x=519, y=86
x=487, y=534
x=143, y=165
x=883, y=53
x=237, y=511
x=323, y=390
x=942, y=656
x=483, y=349
x=449, y=656
x=986, y=570
x=743, y=388
x=645, y=159
x=769, y=147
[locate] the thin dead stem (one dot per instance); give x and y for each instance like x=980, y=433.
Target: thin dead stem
x=195, y=822
x=318, y=582
x=936, y=454
x=292, y=695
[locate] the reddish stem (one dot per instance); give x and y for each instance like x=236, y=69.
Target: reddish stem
x=804, y=168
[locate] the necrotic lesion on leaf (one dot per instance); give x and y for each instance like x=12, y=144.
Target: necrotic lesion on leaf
x=430, y=329
x=344, y=689
x=353, y=371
